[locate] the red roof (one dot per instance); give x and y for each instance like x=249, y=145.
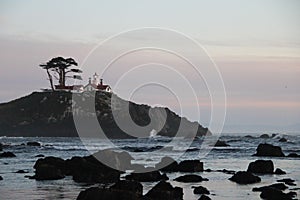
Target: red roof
x=102, y=87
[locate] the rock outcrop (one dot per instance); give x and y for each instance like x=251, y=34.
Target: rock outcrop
x=7, y=155
x=51, y=114
x=221, y=143
x=83, y=169
x=168, y=164
x=201, y=190
x=269, y=150
x=190, y=178
x=151, y=176
x=242, y=177
x=120, y=190
x=261, y=167
x=165, y=191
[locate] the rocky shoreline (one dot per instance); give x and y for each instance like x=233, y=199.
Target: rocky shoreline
x=123, y=179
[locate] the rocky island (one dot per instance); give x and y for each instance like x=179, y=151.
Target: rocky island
x=50, y=114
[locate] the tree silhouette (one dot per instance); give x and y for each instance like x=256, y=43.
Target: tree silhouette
x=60, y=68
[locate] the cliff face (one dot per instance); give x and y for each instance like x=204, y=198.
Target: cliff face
x=50, y=114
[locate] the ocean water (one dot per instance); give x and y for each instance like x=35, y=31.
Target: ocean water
x=236, y=157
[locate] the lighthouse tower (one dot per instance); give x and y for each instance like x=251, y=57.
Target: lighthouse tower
x=95, y=79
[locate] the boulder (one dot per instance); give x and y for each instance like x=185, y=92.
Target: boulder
x=133, y=188
x=165, y=191
x=221, y=143
x=287, y=181
x=151, y=176
x=269, y=150
x=282, y=140
x=1, y=178
x=48, y=172
x=261, y=167
x=279, y=171
x=21, y=172
x=226, y=171
x=204, y=197
x=7, y=155
x=51, y=161
x=190, y=166
x=116, y=160
x=35, y=144
x=39, y=156
x=294, y=155
x=249, y=136
x=96, y=193
x=278, y=186
x=90, y=170
x=242, y=177
x=1, y=147
x=201, y=190
x=275, y=194
x=49, y=168
x=167, y=164
x=190, y=178
x=265, y=136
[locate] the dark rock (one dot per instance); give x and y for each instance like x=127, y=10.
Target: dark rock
x=165, y=191
x=57, y=102
x=190, y=178
x=7, y=155
x=90, y=170
x=120, y=192
x=190, y=166
x=49, y=168
x=142, y=149
x=273, y=135
x=269, y=150
x=244, y=178
x=249, y=136
x=1, y=147
x=275, y=194
x=35, y=144
x=287, y=181
x=294, y=155
x=151, y=176
x=278, y=186
x=21, y=172
x=221, y=143
x=282, y=140
x=1, y=178
x=167, y=164
x=265, y=136
x=116, y=160
x=51, y=161
x=201, y=190
x=39, y=156
x=48, y=172
x=261, y=167
x=135, y=189
x=204, y=197
x=226, y=171
x=192, y=149
x=279, y=171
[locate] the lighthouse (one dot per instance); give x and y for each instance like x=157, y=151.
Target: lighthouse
x=95, y=79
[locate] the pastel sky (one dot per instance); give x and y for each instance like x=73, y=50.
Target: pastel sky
x=255, y=44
